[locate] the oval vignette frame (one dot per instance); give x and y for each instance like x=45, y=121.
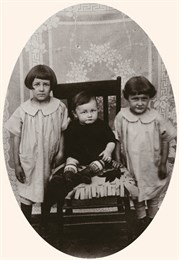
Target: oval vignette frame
x=71, y=73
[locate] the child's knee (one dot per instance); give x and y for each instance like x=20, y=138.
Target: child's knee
x=56, y=181
x=152, y=207
x=140, y=209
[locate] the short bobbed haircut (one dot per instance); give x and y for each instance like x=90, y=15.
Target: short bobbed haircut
x=82, y=98
x=41, y=72
x=139, y=85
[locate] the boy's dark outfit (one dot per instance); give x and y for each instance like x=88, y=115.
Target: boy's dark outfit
x=86, y=142
x=83, y=143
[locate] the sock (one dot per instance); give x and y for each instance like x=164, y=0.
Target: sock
x=141, y=225
x=148, y=221
x=45, y=212
x=55, y=191
x=27, y=211
x=69, y=171
x=84, y=176
x=93, y=168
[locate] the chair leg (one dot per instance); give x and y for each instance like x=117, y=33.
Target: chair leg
x=60, y=224
x=69, y=211
x=128, y=218
x=119, y=204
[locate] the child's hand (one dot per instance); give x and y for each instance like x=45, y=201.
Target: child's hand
x=106, y=156
x=162, y=171
x=115, y=164
x=57, y=160
x=20, y=175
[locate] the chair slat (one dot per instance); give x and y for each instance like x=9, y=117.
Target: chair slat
x=99, y=88
x=105, y=109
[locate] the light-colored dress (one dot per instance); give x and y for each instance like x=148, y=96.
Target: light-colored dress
x=140, y=137
x=40, y=131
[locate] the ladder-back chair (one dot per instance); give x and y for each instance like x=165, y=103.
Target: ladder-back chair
x=110, y=208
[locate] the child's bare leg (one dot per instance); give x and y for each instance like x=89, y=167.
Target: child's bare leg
x=152, y=208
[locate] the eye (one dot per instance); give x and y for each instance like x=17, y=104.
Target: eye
x=36, y=84
x=46, y=84
x=134, y=98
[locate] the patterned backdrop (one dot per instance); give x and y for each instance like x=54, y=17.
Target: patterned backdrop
x=90, y=42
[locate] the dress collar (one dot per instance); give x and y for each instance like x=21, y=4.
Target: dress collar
x=50, y=107
x=149, y=116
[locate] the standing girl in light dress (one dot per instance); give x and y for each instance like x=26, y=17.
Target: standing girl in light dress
x=144, y=137
x=37, y=126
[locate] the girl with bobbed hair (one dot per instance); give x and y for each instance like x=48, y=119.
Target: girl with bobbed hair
x=41, y=72
x=144, y=137
x=37, y=126
x=139, y=85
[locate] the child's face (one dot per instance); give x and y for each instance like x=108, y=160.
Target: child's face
x=87, y=113
x=138, y=103
x=41, y=89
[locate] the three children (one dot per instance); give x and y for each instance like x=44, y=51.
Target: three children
x=38, y=127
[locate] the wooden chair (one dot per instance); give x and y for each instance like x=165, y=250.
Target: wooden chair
x=97, y=210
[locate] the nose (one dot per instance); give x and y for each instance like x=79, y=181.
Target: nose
x=140, y=101
x=89, y=114
x=41, y=87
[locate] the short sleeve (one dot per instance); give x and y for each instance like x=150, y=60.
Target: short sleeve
x=167, y=130
x=65, y=119
x=109, y=134
x=14, y=123
x=70, y=142
x=117, y=126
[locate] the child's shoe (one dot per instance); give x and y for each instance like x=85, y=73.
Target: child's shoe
x=69, y=175
x=44, y=232
x=141, y=225
x=148, y=221
x=74, y=179
x=83, y=176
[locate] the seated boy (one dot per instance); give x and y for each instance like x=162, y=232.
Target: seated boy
x=89, y=142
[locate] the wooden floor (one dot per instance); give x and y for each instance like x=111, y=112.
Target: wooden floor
x=87, y=241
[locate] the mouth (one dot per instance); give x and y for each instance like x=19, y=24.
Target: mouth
x=89, y=120
x=139, y=108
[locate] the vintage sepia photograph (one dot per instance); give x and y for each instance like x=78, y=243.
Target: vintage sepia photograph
x=89, y=131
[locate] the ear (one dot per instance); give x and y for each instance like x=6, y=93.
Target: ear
x=74, y=114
